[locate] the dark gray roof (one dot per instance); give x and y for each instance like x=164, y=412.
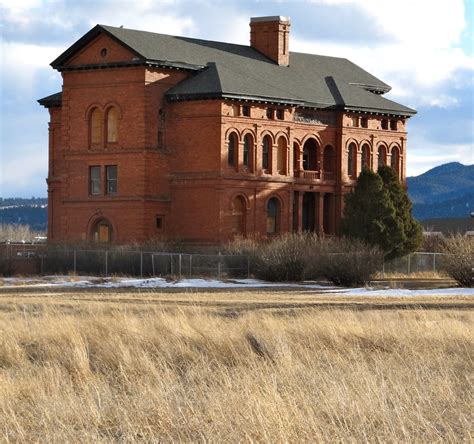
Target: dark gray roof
x=52, y=100
x=227, y=70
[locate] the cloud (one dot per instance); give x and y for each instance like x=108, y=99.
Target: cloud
x=418, y=47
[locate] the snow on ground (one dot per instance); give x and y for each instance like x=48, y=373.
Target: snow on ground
x=115, y=282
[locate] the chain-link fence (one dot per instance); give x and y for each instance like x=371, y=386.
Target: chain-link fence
x=147, y=264
x=142, y=263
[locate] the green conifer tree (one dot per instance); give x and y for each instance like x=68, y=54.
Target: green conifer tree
x=412, y=230
x=370, y=215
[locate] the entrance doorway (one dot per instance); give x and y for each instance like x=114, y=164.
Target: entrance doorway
x=102, y=231
x=309, y=207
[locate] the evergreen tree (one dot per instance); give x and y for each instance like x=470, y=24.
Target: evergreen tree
x=370, y=215
x=412, y=230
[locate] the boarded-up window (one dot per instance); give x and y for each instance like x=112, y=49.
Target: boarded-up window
x=382, y=157
x=366, y=156
x=232, y=154
x=281, y=156
x=351, y=160
x=273, y=209
x=248, y=151
x=266, y=153
x=96, y=125
x=238, y=215
x=112, y=125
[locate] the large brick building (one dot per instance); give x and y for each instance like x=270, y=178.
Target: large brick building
x=172, y=137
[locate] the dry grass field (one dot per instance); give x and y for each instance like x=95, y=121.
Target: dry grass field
x=224, y=367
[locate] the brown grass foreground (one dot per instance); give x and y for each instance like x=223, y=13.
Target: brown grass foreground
x=74, y=370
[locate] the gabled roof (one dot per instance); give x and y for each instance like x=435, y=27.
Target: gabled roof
x=225, y=70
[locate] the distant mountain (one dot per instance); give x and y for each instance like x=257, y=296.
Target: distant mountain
x=32, y=212
x=444, y=191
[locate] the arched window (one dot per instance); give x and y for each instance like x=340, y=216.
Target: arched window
x=310, y=155
x=95, y=127
x=395, y=160
x=102, y=231
x=267, y=154
x=248, y=152
x=351, y=160
x=238, y=215
x=232, y=150
x=281, y=156
x=112, y=125
x=273, y=210
x=296, y=157
x=382, y=156
x=366, y=160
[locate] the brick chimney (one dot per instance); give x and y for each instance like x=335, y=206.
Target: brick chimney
x=270, y=36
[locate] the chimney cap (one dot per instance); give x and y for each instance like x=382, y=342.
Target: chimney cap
x=270, y=18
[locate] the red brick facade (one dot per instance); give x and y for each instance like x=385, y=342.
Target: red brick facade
x=174, y=177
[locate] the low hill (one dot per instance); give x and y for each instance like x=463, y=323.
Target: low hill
x=446, y=191
x=32, y=212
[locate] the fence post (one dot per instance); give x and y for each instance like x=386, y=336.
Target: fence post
x=190, y=265
x=171, y=264
x=141, y=263
x=153, y=263
x=42, y=266
x=106, y=262
x=434, y=262
x=409, y=256
x=75, y=261
x=219, y=265
x=383, y=267
x=179, y=265
x=248, y=267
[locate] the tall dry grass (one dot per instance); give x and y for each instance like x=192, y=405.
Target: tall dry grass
x=88, y=373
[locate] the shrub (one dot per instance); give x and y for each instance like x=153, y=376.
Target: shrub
x=458, y=260
x=285, y=258
x=348, y=262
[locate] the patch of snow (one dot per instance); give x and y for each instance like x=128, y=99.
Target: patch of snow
x=98, y=282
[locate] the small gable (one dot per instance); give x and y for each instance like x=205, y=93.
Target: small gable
x=103, y=49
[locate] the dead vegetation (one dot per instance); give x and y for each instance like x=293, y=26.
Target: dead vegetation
x=73, y=369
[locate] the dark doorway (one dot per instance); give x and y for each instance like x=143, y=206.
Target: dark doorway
x=308, y=212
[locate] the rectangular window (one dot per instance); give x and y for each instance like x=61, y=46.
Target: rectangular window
x=355, y=121
x=364, y=122
x=393, y=125
x=280, y=114
x=94, y=180
x=111, y=178
x=269, y=113
x=246, y=110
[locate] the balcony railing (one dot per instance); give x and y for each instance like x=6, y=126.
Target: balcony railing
x=314, y=175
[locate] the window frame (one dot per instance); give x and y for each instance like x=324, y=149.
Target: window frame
x=110, y=181
x=95, y=180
